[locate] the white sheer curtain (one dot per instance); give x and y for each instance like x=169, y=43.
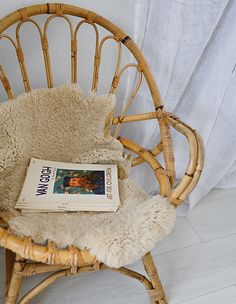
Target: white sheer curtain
x=191, y=48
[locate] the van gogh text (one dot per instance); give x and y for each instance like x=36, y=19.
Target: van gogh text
x=44, y=180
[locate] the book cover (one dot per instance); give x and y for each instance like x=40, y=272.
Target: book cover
x=58, y=186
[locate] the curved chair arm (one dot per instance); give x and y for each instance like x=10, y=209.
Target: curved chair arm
x=196, y=156
x=196, y=159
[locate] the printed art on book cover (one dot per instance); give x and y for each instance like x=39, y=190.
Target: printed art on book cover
x=71, y=187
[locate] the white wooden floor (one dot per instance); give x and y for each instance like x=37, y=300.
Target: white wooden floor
x=197, y=264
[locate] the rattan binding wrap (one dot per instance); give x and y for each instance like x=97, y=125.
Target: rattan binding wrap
x=73, y=260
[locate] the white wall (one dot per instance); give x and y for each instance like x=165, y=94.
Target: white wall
x=120, y=12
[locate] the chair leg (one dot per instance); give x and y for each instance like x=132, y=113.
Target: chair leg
x=9, y=262
x=157, y=295
x=15, y=281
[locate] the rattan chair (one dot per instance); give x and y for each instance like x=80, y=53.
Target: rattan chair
x=41, y=259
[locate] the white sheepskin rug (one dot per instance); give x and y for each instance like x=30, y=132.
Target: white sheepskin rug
x=61, y=124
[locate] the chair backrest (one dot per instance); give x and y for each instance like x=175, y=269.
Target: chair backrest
x=164, y=174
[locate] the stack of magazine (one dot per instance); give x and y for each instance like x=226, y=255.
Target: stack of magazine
x=56, y=186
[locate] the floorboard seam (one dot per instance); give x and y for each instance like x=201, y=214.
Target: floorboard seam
x=195, y=244
x=194, y=229
x=172, y=250
x=206, y=294
x=220, y=237
x=219, y=198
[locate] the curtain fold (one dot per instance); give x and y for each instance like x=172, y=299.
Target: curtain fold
x=191, y=48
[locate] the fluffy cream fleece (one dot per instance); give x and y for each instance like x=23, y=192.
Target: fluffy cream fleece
x=61, y=124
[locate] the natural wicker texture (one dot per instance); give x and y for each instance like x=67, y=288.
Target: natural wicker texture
x=74, y=260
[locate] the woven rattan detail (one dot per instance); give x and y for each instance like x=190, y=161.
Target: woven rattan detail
x=125, y=39
x=23, y=13
x=59, y=9
x=154, y=294
x=142, y=67
x=75, y=259
x=51, y=256
x=91, y=16
x=28, y=249
x=97, y=266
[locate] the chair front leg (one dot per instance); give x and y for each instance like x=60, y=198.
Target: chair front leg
x=15, y=281
x=9, y=262
x=157, y=294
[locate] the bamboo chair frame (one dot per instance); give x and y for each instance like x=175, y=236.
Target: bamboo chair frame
x=71, y=261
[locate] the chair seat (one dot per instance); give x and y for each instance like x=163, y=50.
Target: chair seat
x=115, y=238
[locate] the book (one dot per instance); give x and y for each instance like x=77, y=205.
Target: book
x=58, y=187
